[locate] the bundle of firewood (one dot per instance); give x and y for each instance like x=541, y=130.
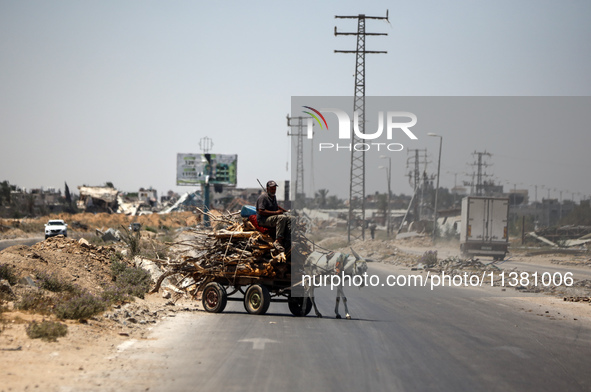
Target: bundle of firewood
x=232, y=248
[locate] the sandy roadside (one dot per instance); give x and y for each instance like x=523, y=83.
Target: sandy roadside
x=80, y=360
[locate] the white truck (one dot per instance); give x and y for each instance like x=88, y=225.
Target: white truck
x=484, y=230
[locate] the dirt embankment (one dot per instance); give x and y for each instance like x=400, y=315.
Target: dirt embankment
x=89, y=344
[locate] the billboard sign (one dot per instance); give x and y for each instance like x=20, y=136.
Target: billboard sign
x=193, y=169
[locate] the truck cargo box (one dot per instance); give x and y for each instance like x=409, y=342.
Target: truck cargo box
x=484, y=230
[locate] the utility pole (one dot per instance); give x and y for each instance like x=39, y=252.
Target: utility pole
x=414, y=178
x=479, y=172
x=206, y=144
x=299, y=134
x=389, y=179
x=357, y=174
x=437, y=186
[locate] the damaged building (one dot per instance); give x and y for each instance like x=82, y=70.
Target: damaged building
x=97, y=199
x=143, y=202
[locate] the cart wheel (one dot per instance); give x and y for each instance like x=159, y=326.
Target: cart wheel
x=257, y=299
x=296, y=306
x=214, y=298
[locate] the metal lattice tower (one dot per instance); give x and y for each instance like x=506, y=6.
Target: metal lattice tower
x=299, y=133
x=357, y=175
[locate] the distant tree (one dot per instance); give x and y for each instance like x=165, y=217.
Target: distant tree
x=110, y=184
x=67, y=194
x=446, y=199
x=382, y=204
x=333, y=202
x=4, y=193
x=321, y=197
x=30, y=204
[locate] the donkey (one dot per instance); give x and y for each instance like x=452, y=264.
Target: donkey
x=331, y=265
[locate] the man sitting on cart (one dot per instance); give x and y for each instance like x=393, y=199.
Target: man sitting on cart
x=271, y=215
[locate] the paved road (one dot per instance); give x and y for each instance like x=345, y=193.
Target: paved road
x=401, y=339
x=23, y=241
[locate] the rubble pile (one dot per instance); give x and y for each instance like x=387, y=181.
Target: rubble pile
x=87, y=267
x=575, y=263
x=382, y=251
x=564, y=236
x=456, y=266
x=414, y=240
x=79, y=262
x=580, y=291
x=11, y=233
x=578, y=299
x=140, y=313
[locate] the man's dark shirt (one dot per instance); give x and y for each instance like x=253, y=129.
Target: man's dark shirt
x=265, y=202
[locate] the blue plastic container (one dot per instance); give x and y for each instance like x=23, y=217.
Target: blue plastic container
x=247, y=211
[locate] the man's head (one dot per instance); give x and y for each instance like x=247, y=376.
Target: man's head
x=271, y=187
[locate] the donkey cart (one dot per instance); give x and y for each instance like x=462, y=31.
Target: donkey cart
x=257, y=293
x=236, y=262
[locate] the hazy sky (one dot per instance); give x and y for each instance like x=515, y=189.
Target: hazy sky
x=97, y=91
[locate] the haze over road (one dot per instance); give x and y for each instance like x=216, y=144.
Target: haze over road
x=400, y=339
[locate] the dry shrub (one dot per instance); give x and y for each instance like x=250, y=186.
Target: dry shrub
x=133, y=281
x=429, y=258
x=81, y=306
x=35, y=301
x=7, y=273
x=47, y=330
x=54, y=283
x=116, y=295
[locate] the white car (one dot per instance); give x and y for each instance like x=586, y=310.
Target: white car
x=56, y=227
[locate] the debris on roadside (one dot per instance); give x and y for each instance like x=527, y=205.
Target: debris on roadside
x=564, y=236
x=109, y=235
x=578, y=299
